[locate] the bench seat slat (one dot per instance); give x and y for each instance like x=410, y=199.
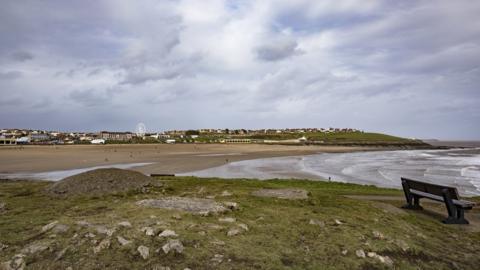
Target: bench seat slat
x=462, y=203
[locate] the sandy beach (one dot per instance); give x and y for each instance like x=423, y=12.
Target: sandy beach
x=177, y=158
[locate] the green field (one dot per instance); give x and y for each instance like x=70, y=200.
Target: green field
x=279, y=234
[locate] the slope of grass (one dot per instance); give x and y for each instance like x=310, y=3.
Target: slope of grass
x=279, y=234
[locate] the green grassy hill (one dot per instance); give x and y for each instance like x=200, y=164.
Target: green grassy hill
x=325, y=231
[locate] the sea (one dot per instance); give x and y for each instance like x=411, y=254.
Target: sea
x=459, y=168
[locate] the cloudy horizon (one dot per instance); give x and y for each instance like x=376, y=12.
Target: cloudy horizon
x=408, y=68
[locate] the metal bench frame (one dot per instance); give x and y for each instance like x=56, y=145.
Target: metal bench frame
x=415, y=190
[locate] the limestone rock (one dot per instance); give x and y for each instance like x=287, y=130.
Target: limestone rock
x=243, y=226
x=83, y=223
x=148, y=231
x=61, y=253
x=360, y=253
x=233, y=232
x=317, y=222
x=3, y=207
x=37, y=247
x=232, y=205
x=218, y=242
x=168, y=233
x=217, y=258
x=193, y=205
x=104, y=244
x=144, y=252
x=227, y=219
x=3, y=246
x=104, y=230
x=125, y=224
x=344, y=252
x=287, y=193
x=16, y=263
x=60, y=228
x=173, y=244
x=123, y=241
x=337, y=222
x=49, y=226
x=226, y=193
x=378, y=235
x=371, y=254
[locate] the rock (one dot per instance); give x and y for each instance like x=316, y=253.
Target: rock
x=211, y=226
x=49, y=226
x=231, y=205
x=337, y=222
x=225, y=193
x=37, y=247
x=233, y=232
x=123, y=241
x=3, y=207
x=105, y=243
x=378, y=235
x=3, y=246
x=227, y=219
x=90, y=235
x=144, y=252
x=104, y=230
x=243, y=226
x=287, y=193
x=202, y=233
x=360, y=253
x=83, y=223
x=168, y=233
x=344, y=252
x=403, y=245
x=210, y=197
x=218, y=242
x=317, y=222
x=125, y=224
x=193, y=205
x=60, y=228
x=148, y=231
x=160, y=267
x=60, y=254
x=371, y=254
x=16, y=263
x=69, y=268
x=173, y=244
x=217, y=258
x=385, y=260
x=177, y=216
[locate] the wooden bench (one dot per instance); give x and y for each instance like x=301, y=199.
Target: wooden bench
x=415, y=190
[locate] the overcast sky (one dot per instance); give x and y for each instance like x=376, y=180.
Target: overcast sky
x=408, y=68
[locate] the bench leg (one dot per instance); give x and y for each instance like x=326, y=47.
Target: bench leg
x=456, y=215
x=459, y=218
x=413, y=202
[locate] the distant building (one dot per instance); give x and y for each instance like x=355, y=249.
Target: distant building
x=39, y=137
x=116, y=136
x=98, y=141
x=170, y=141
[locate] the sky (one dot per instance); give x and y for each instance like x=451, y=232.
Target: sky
x=407, y=68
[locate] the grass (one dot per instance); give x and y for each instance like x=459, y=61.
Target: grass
x=279, y=236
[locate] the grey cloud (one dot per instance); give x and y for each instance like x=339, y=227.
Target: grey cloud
x=22, y=56
x=10, y=75
x=88, y=98
x=277, y=50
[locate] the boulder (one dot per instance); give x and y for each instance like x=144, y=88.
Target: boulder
x=173, y=245
x=193, y=205
x=104, y=244
x=286, y=193
x=168, y=233
x=227, y=220
x=49, y=226
x=144, y=252
x=123, y=241
x=360, y=253
x=125, y=224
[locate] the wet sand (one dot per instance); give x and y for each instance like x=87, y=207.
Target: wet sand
x=175, y=158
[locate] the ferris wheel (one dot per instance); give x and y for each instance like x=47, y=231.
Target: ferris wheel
x=140, y=130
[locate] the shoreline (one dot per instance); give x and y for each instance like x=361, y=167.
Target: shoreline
x=171, y=159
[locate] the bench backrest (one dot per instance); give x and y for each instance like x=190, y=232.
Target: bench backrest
x=431, y=188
